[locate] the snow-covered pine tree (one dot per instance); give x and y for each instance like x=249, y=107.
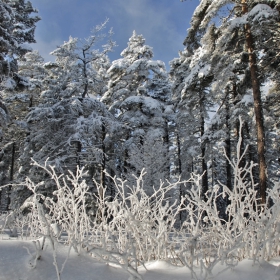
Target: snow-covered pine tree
x=66, y=128
x=192, y=77
x=19, y=101
x=230, y=70
x=137, y=91
x=264, y=22
x=17, y=26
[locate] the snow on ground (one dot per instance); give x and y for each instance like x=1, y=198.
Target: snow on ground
x=14, y=265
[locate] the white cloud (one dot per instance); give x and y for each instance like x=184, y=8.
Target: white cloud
x=45, y=47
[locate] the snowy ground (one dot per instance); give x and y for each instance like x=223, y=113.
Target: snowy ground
x=14, y=265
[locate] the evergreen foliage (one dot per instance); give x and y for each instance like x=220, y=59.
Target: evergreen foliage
x=137, y=93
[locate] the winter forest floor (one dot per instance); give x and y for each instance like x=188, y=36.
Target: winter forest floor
x=15, y=265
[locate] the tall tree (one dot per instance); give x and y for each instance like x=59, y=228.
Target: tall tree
x=192, y=77
x=20, y=101
x=65, y=128
x=137, y=91
x=257, y=104
x=17, y=26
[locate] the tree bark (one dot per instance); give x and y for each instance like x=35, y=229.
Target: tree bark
x=228, y=145
x=179, y=167
x=103, y=162
x=166, y=142
x=203, y=163
x=257, y=107
x=11, y=175
x=179, y=171
x=85, y=92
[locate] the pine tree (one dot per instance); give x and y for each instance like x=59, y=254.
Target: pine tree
x=137, y=90
x=19, y=101
x=17, y=26
x=66, y=128
x=192, y=77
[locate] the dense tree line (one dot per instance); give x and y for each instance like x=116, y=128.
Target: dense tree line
x=129, y=114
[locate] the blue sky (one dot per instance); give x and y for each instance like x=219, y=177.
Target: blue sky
x=163, y=23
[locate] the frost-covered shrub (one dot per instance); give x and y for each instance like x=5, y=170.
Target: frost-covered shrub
x=251, y=230
x=65, y=211
x=205, y=238
x=48, y=217
x=134, y=227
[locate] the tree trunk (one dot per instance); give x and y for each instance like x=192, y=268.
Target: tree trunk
x=12, y=162
x=228, y=145
x=125, y=167
x=103, y=162
x=179, y=154
x=257, y=107
x=179, y=171
x=203, y=163
x=239, y=133
x=85, y=92
x=11, y=175
x=78, y=153
x=102, y=174
x=166, y=142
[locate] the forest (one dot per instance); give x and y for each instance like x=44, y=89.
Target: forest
x=127, y=146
